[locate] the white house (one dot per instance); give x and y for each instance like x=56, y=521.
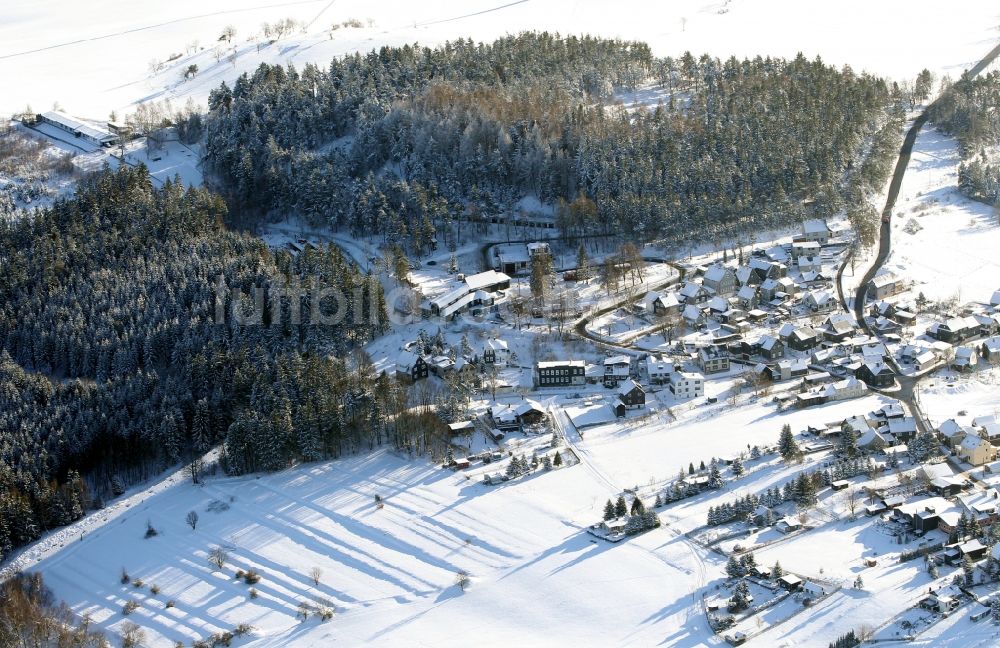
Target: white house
x=685, y=384
x=658, y=370
x=496, y=352
x=815, y=230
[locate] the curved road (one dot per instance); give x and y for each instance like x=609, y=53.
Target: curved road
x=907, y=384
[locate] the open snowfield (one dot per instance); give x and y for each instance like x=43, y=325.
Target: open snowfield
x=93, y=57
x=632, y=454
x=944, y=394
x=954, y=253
x=388, y=572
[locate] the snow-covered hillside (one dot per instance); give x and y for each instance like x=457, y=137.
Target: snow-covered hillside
x=93, y=57
x=389, y=572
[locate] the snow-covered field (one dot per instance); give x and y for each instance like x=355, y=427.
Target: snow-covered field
x=954, y=250
x=389, y=572
x=94, y=57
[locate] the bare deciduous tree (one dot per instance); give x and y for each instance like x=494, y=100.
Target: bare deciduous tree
x=192, y=519
x=218, y=557
x=315, y=574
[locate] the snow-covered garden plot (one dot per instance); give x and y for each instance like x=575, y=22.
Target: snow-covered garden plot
x=657, y=449
x=945, y=394
x=941, y=241
x=389, y=573
x=836, y=552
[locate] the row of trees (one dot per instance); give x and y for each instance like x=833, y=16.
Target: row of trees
x=967, y=111
x=403, y=141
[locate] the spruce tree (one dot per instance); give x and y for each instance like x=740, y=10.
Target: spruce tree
x=621, y=507
x=787, y=445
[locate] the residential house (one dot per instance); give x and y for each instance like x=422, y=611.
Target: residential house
x=876, y=374
x=767, y=290
x=561, y=373
x=819, y=301
x=953, y=432
x=885, y=285
x=813, y=589
x=411, y=366
x=954, y=330
x=770, y=347
x=694, y=293
x=693, y=315
x=788, y=524
x=713, y=359
x=990, y=350
x=809, y=264
x=489, y=281
x=630, y=396
x=903, y=428
x=658, y=370
x=804, y=338
x=976, y=450
x=815, y=230
x=966, y=359
x=496, y=352
x=804, y=250
x=747, y=297
x=616, y=369
x=666, y=304
x=720, y=279
x=685, y=384
x=718, y=305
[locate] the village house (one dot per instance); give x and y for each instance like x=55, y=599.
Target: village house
x=953, y=432
x=815, y=230
x=876, y=374
x=747, y=297
x=616, y=369
x=561, y=373
x=693, y=315
x=720, y=279
x=713, y=359
x=685, y=384
x=954, y=330
x=838, y=327
x=819, y=301
x=804, y=249
x=631, y=396
x=658, y=370
x=770, y=347
x=976, y=450
x=694, y=293
x=804, y=338
x=767, y=290
x=990, y=350
x=966, y=359
x=461, y=428
x=496, y=352
x=410, y=366
x=885, y=285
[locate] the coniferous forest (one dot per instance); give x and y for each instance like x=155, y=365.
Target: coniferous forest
x=139, y=327
x=114, y=363
x=404, y=142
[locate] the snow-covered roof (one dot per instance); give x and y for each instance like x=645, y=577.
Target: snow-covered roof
x=555, y=364
x=815, y=226
x=627, y=386
x=485, y=279
x=716, y=273
x=72, y=123
x=617, y=360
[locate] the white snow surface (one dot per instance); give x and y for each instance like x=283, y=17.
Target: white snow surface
x=93, y=57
